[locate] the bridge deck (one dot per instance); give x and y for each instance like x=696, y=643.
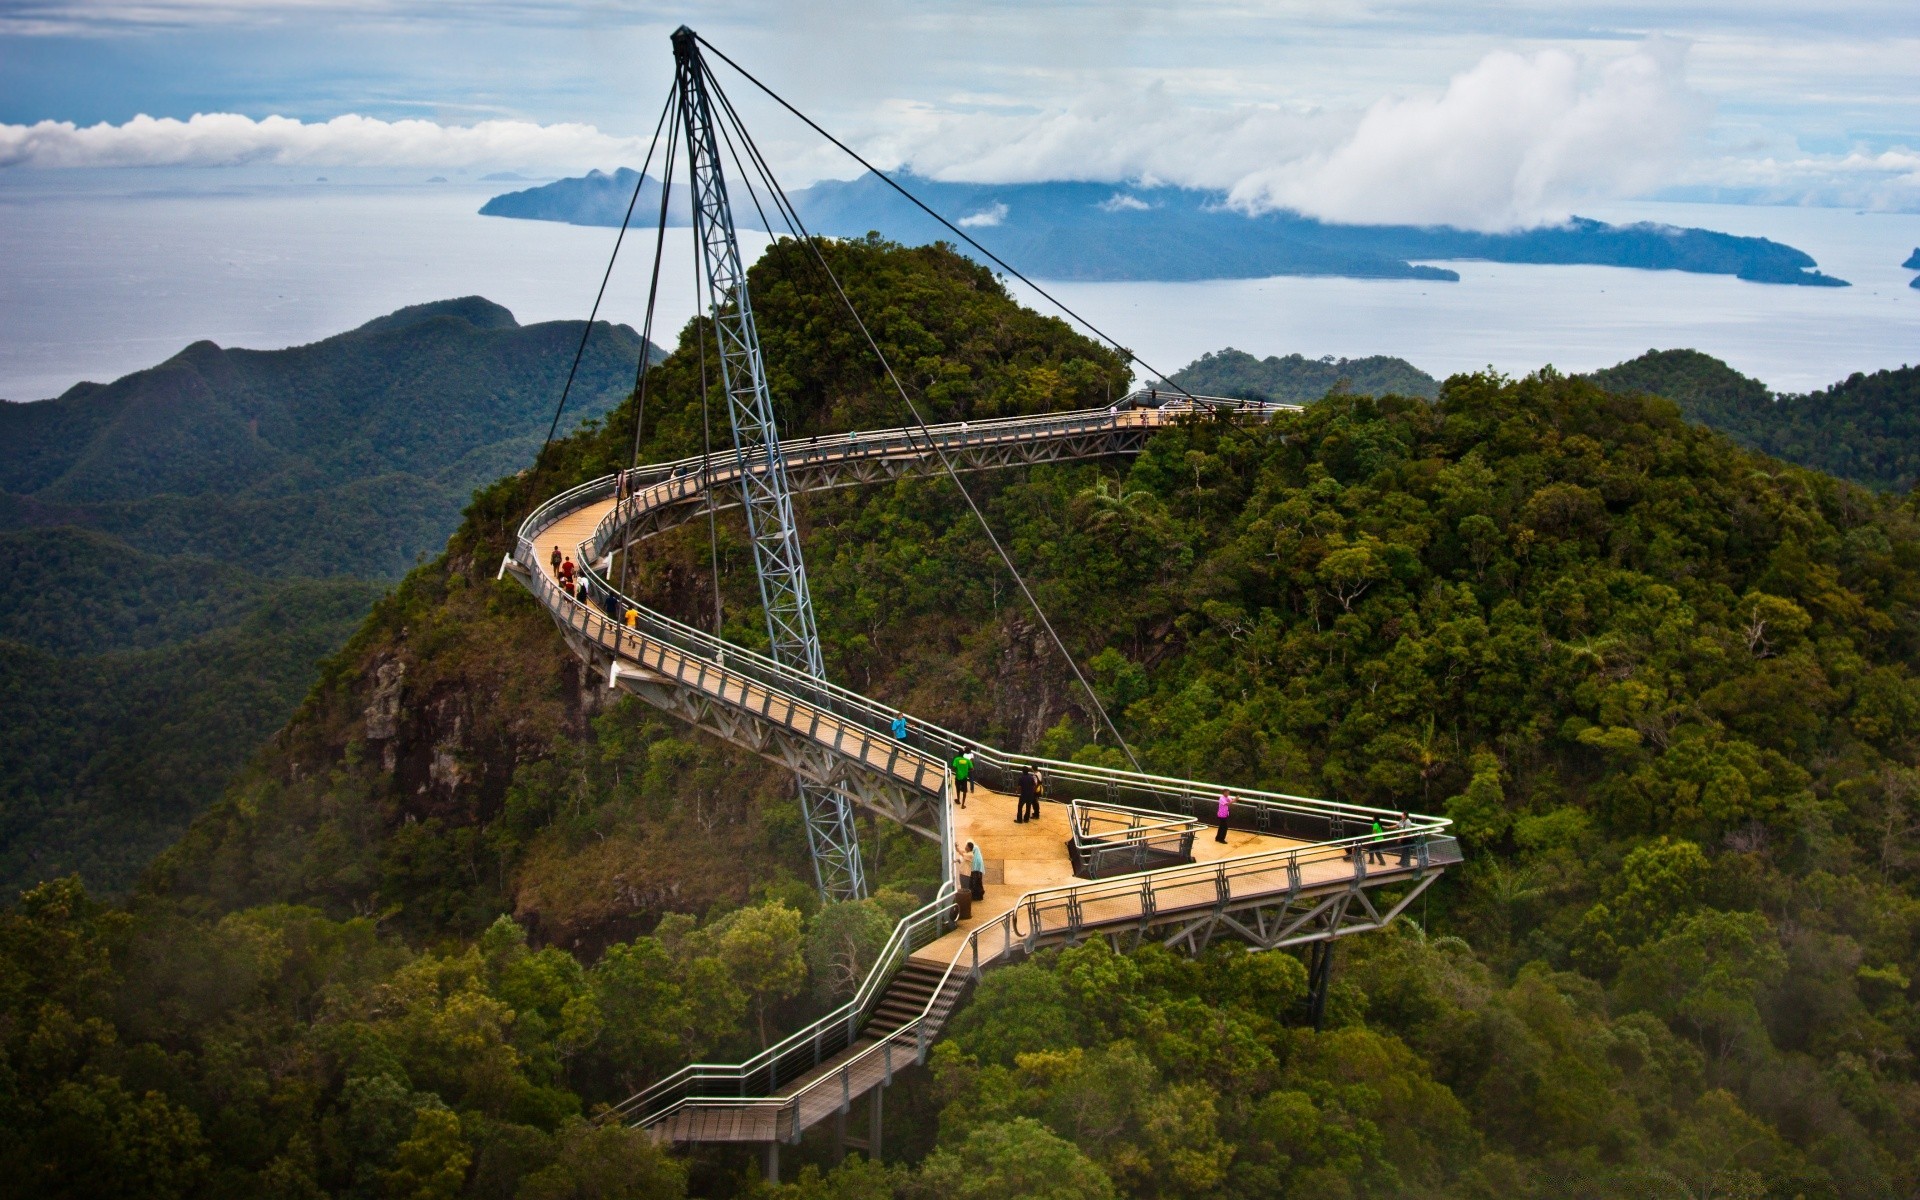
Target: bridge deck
x=1032, y=856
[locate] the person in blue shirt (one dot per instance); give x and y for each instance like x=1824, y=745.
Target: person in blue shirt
x=900, y=726
x=977, y=882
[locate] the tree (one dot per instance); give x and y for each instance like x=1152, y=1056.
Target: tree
x=761, y=949
x=1012, y=1160
x=432, y=1163
x=606, y=1162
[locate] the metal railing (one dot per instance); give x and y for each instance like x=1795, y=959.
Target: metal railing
x=1111, y=840
x=1067, y=910
x=806, y=1049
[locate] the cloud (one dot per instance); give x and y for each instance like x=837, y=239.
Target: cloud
x=1513, y=141
x=986, y=218
x=1884, y=181
x=228, y=139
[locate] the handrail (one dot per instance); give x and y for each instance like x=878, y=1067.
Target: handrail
x=915, y=1028
x=845, y=1019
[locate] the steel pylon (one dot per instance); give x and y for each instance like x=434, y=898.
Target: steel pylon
x=782, y=570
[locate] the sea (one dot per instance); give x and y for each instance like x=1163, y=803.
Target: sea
x=103, y=273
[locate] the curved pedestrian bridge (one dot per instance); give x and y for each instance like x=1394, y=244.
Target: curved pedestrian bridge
x=1293, y=870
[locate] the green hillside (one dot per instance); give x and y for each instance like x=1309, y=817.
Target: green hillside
x=1865, y=428
x=159, y=539
x=1296, y=379
x=1663, y=684
x=344, y=457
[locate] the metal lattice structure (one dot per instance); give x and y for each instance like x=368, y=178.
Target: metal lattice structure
x=779, y=564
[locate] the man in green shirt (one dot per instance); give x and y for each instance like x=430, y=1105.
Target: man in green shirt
x=962, y=777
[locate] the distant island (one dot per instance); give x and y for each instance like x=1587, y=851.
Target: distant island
x=1104, y=232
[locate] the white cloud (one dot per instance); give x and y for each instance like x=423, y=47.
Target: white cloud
x=228, y=139
x=1122, y=202
x=1884, y=181
x=986, y=218
x=1513, y=141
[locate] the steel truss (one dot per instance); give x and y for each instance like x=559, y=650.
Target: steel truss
x=813, y=764
x=1273, y=921
x=779, y=564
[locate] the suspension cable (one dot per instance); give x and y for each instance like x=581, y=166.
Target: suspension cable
x=645, y=369
x=791, y=215
x=955, y=229
x=608, y=274
x=706, y=428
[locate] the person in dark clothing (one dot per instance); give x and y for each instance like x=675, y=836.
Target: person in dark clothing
x=1406, y=839
x=555, y=560
x=977, y=873
x=1029, y=796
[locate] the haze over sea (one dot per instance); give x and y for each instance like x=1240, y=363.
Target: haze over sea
x=109, y=272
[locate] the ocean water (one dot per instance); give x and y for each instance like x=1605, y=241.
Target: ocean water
x=98, y=279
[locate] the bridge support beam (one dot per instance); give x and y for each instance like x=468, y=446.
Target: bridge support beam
x=1319, y=977
x=815, y=766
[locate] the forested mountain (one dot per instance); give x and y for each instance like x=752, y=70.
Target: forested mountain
x=1865, y=428
x=1663, y=684
x=344, y=457
x=157, y=622
x=1296, y=379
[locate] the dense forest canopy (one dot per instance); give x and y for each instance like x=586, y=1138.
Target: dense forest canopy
x=1297, y=379
x=161, y=537
x=1865, y=428
x=1662, y=684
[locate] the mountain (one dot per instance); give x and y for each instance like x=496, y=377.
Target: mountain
x=595, y=198
x=181, y=547
x=1865, y=428
x=1663, y=683
x=1097, y=231
x=1295, y=379
x=347, y=456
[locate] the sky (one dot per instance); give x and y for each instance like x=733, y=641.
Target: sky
x=1483, y=115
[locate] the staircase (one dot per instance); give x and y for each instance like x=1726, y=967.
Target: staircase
x=906, y=1019
x=906, y=998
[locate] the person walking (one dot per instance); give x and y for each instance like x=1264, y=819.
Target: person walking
x=962, y=778
x=1376, y=857
x=1029, y=796
x=1223, y=813
x=900, y=726
x=1406, y=839
x=555, y=559
x=567, y=572
x=977, y=881
x=632, y=618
